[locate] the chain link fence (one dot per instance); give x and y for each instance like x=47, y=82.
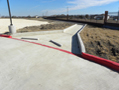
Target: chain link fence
x=97, y=18
x=108, y=18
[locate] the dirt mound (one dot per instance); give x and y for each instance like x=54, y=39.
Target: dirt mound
x=57, y=26
x=101, y=42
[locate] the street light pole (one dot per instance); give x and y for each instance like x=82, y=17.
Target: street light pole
x=9, y=12
x=12, y=29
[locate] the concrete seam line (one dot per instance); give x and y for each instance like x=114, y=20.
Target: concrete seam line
x=110, y=64
x=80, y=41
x=69, y=27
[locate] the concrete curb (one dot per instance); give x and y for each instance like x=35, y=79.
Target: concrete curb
x=110, y=64
x=7, y=36
x=69, y=27
x=80, y=42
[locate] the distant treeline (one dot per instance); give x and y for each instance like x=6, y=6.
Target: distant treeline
x=21, y=16
x=86, y=16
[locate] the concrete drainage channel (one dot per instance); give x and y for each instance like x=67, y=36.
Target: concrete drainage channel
x=110, y=64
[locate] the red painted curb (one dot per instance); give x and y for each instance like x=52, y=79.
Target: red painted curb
x=104, y=62
x=7, y=36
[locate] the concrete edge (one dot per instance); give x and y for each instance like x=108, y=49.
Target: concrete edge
x=69, y=27
x=80, y=41
x=37, y=33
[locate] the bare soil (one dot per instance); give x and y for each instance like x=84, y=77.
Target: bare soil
x=51, y=26
x=101, y=42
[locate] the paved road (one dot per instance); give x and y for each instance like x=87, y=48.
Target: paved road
x=27, y=66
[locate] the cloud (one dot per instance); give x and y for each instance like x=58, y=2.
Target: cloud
x=81, y=4
x=52, y=12
x=33, y=7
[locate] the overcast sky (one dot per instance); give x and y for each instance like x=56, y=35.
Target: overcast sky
x=51, y=7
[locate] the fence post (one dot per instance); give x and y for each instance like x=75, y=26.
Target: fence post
x=67, y=16
x=106, y=15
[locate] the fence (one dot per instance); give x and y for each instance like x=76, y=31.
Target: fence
x=113, y=17
x=108, y=19
x=97, y=18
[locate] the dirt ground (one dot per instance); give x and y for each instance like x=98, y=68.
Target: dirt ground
x=52, y=26
x=101, y=42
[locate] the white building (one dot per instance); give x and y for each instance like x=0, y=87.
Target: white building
x=37, y=16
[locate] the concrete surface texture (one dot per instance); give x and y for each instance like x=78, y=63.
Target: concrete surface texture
x=26, y=66
x=18, y=23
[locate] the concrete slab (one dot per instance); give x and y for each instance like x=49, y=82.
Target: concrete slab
x=26, y=66
x=18, y=23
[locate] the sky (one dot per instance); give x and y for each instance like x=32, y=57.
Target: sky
x=55, y=7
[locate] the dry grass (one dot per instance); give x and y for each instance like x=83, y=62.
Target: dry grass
x=101, y=42
x=47, y=27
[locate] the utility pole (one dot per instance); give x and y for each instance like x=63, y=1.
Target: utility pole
x=67, y=13
x=12, y=29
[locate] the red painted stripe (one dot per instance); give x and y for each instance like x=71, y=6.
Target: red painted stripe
x=7, y=36
x=102, y=61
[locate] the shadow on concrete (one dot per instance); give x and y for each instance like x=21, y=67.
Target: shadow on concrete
x=75, y=47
